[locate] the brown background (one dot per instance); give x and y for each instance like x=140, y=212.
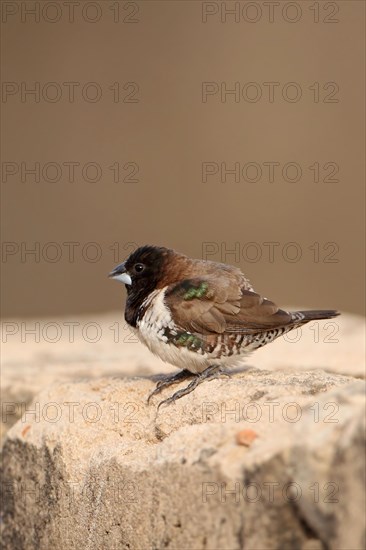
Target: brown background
x=169, y=52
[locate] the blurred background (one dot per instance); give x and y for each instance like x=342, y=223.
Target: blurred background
x=232, y=131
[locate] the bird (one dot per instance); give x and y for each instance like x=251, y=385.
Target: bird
x=201, y=316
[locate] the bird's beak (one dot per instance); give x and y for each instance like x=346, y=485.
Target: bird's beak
x=120, y=274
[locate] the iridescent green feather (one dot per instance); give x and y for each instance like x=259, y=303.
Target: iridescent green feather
x=188, y=340
x=196, y=292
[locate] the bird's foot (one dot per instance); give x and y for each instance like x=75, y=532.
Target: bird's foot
x=169, y=381
x=215, y=371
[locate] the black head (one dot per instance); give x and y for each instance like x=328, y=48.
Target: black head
x=146, y=265
x=148, y=268
x=143, y=272
x=143, y=267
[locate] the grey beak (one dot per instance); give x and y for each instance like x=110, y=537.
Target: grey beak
x=119, y=273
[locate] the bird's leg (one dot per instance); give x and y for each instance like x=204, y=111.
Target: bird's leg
x=169, y=381
x=215, y=371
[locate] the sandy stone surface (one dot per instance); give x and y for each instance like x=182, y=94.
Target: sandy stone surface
x=37, y=353
x=90, y=465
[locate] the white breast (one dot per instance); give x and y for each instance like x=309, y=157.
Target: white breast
x=156, y=319
x=151, y=328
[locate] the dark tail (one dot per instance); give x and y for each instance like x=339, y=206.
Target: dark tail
x=313, y=315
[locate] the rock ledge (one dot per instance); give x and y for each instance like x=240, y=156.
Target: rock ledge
x=94, y=467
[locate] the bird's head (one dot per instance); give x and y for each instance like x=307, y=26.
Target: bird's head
x=149, y=268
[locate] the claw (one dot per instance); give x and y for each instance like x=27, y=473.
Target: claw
x=210, y=373
x=169, y=381
x=165, y=402
x=154, y=392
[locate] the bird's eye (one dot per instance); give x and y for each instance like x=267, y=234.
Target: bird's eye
x=139, y=268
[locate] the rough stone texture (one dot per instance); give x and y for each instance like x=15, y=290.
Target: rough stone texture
x=115, y=474
x=94, y=467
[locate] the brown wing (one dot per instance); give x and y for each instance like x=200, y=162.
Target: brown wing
x=208, y=305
